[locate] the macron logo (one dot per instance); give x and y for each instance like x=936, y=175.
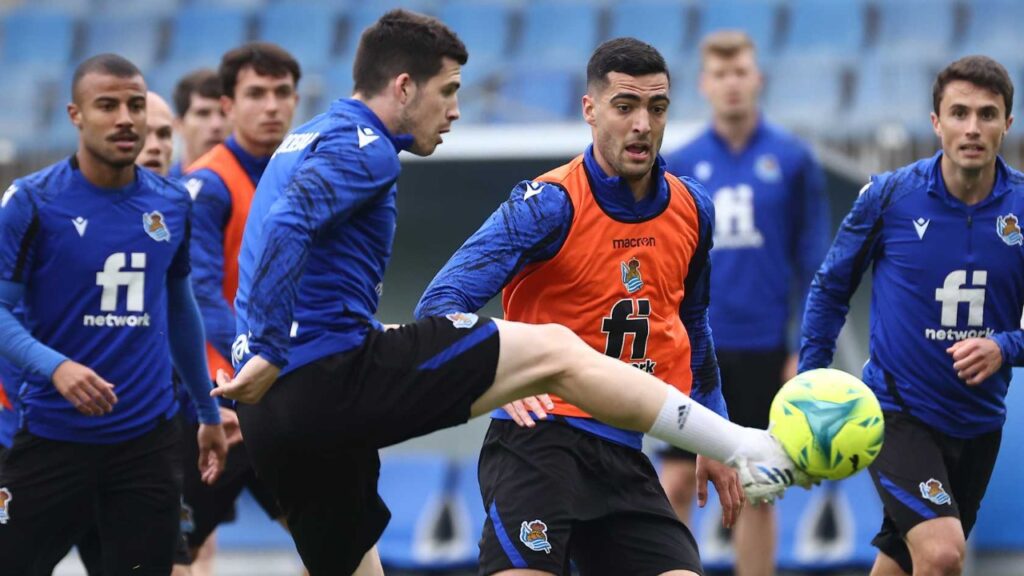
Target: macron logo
x=532, y=189
x=921, y=225
x=366, y=136
x=80, y=224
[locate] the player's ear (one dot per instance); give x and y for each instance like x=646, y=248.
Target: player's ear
x=589, y=114
x=75, y=114
x=227, y=104
x=935, y=125
x=403, y=87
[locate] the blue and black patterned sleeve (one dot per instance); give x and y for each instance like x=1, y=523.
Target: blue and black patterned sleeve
x=529, y=227
x=707, y=382
x=211, y=211
x=828, y=301
x=19, y=228
x=332, y=183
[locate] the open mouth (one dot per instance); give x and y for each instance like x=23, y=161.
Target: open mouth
x=153, y=164
x=638, y=151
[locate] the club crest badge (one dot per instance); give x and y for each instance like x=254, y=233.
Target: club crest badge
x=153, y=223
x=463, y=319
x=1008, y=228
x=535, y=536
x=5, y=505
x=933, y=491
x=631, y=278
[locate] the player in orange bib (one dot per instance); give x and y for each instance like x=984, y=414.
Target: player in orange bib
x=616, y=249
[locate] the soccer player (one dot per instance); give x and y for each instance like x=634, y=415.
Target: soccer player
x=200, y=118
x=942, y=237
x=96, y=249
x=259, y=82
x=771, y=234
x=159, y=143
x=323, y=386
x=616, y=249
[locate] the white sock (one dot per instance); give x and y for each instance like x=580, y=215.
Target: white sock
x=693, y=427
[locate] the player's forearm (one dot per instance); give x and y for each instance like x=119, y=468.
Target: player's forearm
x=186, y=337
x=707, y=381
x=16, y=343
x=824, y=317
x=218, y=323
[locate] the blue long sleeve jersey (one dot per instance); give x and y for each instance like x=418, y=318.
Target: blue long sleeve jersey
x=102, y=276
x=210, y=214
x=318, y=238
x=10, y=410
x=942, y=272
x=771, y=232
x=532, y=225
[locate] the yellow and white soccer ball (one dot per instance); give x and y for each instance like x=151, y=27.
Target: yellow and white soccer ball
x=829, y=422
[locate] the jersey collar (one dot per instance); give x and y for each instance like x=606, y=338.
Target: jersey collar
x=937, y=186
x=615, y=195
x=253, y=165
x=360, y=109
x=759, y=130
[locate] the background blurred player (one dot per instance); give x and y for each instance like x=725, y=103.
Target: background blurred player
x=551, y=247
x=99, y=444
x=943, y=240
x=259, y=82
x=200, y=118
x=311, y=267
x=771, y=232
x=158, y=146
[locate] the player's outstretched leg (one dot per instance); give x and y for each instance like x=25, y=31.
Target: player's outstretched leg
x=535, y=359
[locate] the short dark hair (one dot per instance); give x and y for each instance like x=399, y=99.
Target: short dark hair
x=266, y=59
x=107, y=64
x=203, y=82
x=978, y=70
x=625, y=55
x=400, y=42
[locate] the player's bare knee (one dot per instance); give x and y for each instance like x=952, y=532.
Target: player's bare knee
x=940, y=559
x=565, y=356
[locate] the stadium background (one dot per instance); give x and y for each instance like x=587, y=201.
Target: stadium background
x=853, y=76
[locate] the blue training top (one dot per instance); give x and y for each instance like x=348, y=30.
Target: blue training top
x=771, y=231
x=943, y=272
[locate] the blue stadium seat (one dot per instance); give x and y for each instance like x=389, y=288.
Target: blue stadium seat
x=536, y=95
x=413, y=486
x=660, y=23
x=687, y=102
x=558, y=31
x=804, y=92
x=826, y=27
x=362, y=15
x=154, y=8
x=892, y=92
x=20, y=113
x=337, y=83
x=164, y=77
x=307, y=31
x=920, y=29
x=135, y=36
x=41, y=37
x=993, y=28
x=482, y=26
x=70, y=7
x=756, y=17
x=202, y=34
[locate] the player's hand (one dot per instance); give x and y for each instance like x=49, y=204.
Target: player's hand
x=520, y=409
x=84, y=389
x=975, y=359
x=213, y=451
x=229, y=421
x=251, y=383
x=727, y=484
x=790, y=367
